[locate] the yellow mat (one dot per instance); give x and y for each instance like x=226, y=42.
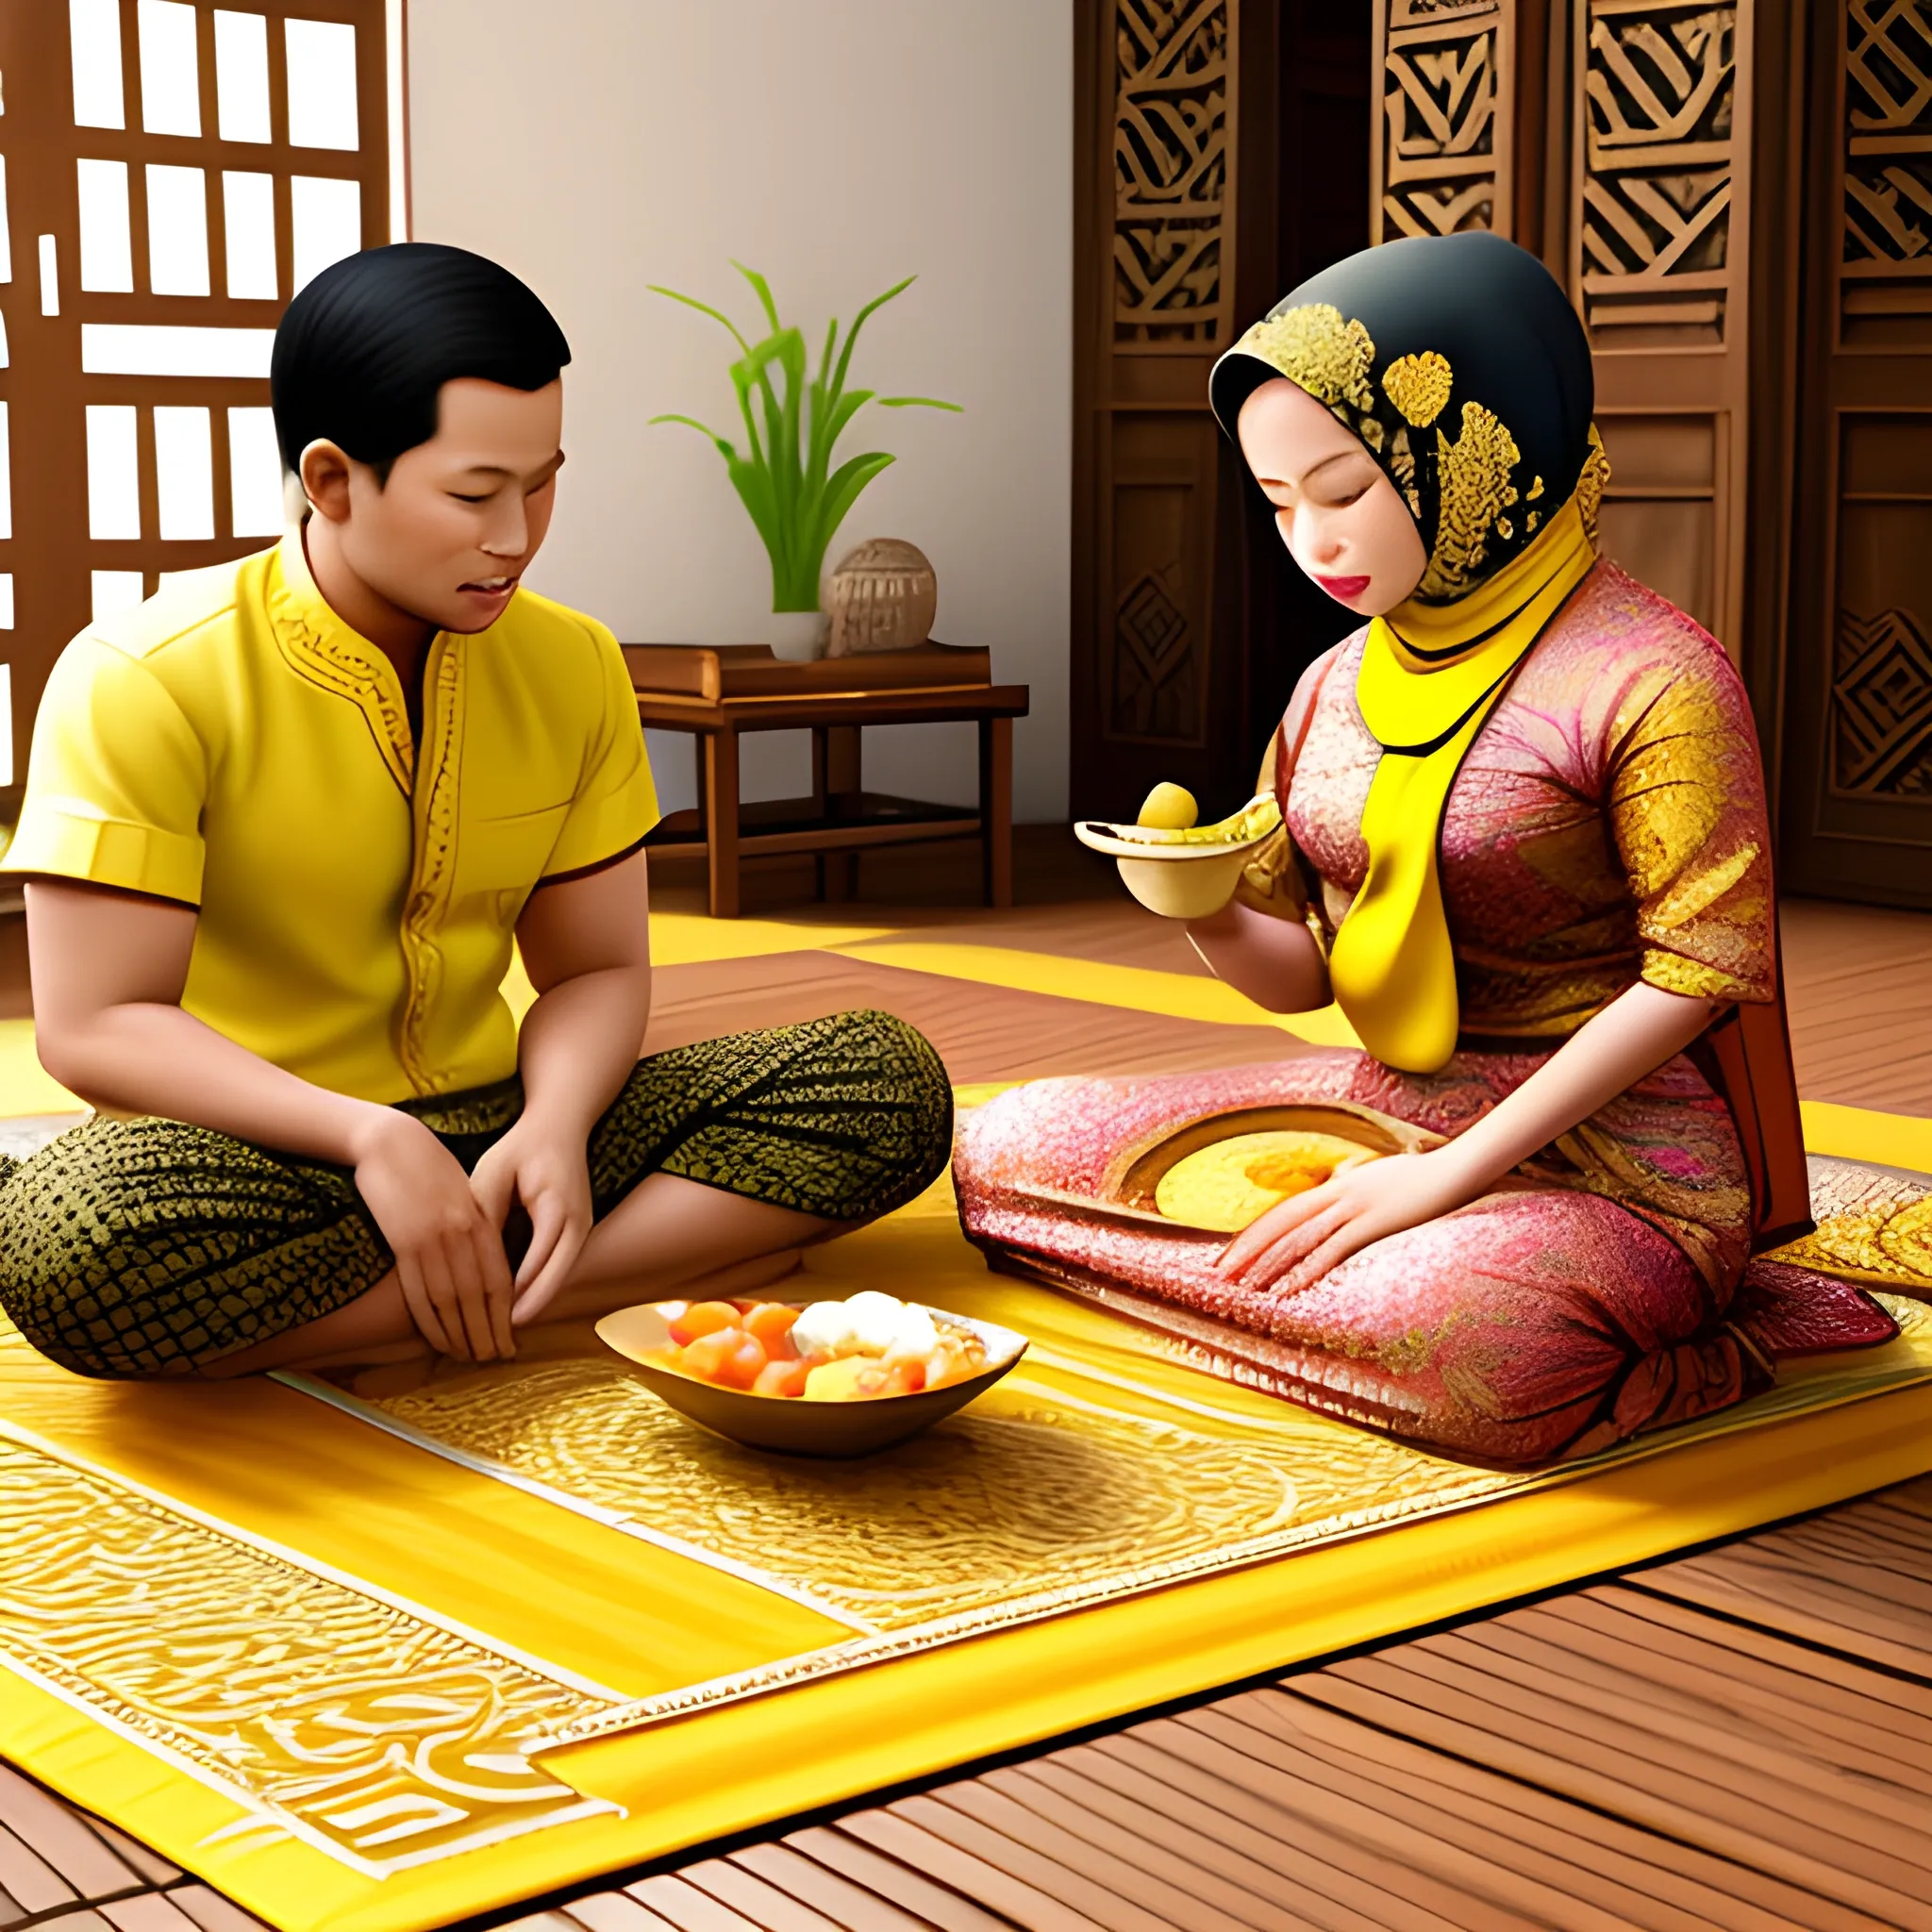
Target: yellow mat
x=379, y=1655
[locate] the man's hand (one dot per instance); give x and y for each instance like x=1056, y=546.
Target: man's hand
x=449, y=1255
x=1299, y=1240
x=544, y=1168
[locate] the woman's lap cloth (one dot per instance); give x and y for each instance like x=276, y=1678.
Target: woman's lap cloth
x=148, y=1247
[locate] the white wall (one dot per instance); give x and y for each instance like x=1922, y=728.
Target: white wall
x=596, y=146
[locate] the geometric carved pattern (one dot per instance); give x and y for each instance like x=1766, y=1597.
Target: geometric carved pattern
x=1882, y=707
x=1659, y=87
x=1172, y=155
x=1887, y=208
x=1154, y=686
x=1442, y=160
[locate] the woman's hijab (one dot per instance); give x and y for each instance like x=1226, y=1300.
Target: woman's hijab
x=1462, y=368
x=1465, y=372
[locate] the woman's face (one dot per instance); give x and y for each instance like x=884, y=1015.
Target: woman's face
x=1336, y=512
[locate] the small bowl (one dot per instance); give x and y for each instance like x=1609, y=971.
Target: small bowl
x=1176, y=881
x=790, y=1424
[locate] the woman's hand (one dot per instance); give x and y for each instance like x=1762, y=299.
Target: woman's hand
x=448, y=1254
x=1299, y=1240
x=546, y=1169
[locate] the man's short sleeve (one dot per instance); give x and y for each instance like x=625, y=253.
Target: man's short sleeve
x=616, y=804
x=116, y=781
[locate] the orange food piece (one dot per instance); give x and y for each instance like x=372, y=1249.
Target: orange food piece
x=771, y=1322
x=704, y=1318
x=727, y=1357
x=781, y=1378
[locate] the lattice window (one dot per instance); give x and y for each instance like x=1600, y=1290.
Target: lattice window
x=1443, y=158
x=1173, y=157
x=174, y=172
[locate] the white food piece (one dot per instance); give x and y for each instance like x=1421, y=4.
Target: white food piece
x=825, y=1328
x=869, y=1323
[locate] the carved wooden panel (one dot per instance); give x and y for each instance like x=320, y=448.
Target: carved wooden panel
x=1659, y=265
x=1881, y=665
x=1161, y=576
x=1173, y=166
x=1661, y=195
x=1444, y=154
x=1659, y=512
x=1858, y=810
x=1885, y=274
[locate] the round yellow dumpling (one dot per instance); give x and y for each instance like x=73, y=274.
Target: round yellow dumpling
x=1169, y=808
x=1236, y=1181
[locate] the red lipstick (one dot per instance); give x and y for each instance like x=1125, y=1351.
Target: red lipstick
x=1343, y=588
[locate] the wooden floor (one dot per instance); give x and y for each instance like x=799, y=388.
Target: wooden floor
x=1738, y=1737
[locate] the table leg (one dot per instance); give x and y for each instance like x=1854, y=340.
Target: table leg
x=996, y=808
x=844, y=798
x=721, y=817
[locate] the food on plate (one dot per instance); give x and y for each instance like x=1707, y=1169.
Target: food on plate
x=1233, y=1182
x=1255, y=820
x=1169, y=808
x=869, y=1345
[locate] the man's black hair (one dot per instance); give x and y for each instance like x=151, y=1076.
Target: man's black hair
x=363, y=350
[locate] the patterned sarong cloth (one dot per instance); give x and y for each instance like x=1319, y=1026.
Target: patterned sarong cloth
x=149, y=1247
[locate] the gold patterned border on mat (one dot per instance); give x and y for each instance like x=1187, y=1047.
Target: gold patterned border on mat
x=1103, y=1482
x=352, y=1722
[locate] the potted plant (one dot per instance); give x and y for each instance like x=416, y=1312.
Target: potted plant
x=784, y=474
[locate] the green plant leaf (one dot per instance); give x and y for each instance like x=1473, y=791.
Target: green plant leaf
x=762, y=289
x=858, y=322
x=729, y=453
x=919, y=403
x=842, y=490
x=703, y=309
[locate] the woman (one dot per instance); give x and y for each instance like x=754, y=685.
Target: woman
x=1526, y=848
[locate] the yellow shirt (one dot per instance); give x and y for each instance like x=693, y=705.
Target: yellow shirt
x=233, y=744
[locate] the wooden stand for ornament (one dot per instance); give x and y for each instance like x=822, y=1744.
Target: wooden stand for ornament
x=716, y=693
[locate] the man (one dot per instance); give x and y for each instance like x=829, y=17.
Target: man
x=281, y=823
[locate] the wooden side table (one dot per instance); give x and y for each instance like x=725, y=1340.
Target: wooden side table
x=718, y=692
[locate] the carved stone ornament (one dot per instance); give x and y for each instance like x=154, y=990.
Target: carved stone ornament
x=881, y=598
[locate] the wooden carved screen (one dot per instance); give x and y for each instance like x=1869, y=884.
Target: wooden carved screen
x=1156, y=171
x=173, y=172
x=1444, y=157
x=1659, y=233
x=1857, y=818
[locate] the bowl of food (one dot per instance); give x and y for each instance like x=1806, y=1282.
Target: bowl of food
x=1177, y=868
x=819, y=1379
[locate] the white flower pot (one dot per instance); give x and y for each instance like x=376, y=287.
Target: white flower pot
x=796, y=636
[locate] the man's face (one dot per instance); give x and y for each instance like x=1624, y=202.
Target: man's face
x=450, y=534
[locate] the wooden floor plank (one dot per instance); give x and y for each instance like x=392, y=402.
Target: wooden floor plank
x=612, y=1911
x=1238, y=1890
x=687, y=1908
x=763, y=1903
x=843, y=1902
x=1560, y=1746
x=981, y=1032
x=914, y=1888
x=902, y=1833
x=1139, y=1876
x=1654, y=1880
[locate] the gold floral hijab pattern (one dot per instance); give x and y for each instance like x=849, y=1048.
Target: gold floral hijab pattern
x=1464, y=369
